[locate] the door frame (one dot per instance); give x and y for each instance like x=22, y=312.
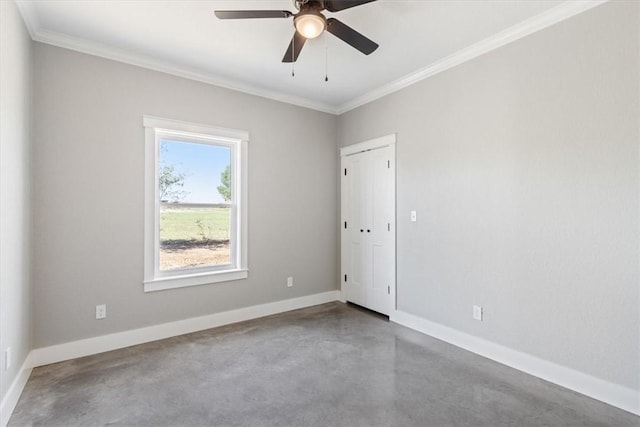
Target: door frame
x=371, y=144
x=368, y=145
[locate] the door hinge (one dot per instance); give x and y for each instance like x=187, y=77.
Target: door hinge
x=388, y=164
x=388, y=226
x=389, y=290
x=345, y=171
x=345, y=224
x=345, y=277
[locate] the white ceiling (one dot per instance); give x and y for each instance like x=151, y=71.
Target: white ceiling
x=416, y=38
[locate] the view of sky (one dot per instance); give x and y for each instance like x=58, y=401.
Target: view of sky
x=201, y=164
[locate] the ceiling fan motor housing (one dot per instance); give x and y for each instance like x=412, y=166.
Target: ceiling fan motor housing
x=309, y=4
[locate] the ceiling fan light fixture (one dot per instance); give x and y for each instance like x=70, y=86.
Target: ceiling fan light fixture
x=310, y=25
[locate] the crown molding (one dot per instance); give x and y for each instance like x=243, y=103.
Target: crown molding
x=557, y=14
x=29, y=16
x=552, y=16
x=144, y=61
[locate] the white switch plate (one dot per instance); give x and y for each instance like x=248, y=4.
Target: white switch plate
x=289, y=282
x=477, y=312
x=7, y=358
x=101, y=311
x=414, y=216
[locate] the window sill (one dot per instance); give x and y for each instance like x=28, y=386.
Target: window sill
x=173, y=282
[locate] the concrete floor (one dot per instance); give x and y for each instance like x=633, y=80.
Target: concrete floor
x=329, y=365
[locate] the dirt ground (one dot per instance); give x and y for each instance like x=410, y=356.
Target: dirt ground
x=191, y=253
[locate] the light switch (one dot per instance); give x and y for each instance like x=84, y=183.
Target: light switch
x=414, y=216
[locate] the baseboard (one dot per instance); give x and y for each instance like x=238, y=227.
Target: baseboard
x=341, y=296
x=13, y=394
x=71, y=350
x=607, y=392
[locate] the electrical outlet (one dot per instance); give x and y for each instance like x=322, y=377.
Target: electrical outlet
x=477, y=312
x=7, y=358
x=101, y=311
x=289, y=282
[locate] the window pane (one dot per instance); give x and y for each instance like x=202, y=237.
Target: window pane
x=194, y=173
x=194, y=237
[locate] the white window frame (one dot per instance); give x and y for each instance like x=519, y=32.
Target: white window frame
x=158, y=128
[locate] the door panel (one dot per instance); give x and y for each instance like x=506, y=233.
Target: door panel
x=383, y=275
x=356, y=291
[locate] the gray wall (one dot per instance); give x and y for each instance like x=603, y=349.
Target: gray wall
x=88, y=174
x=523, y=167
x=15, y=219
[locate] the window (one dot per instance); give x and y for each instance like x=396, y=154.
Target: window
x=195, y=204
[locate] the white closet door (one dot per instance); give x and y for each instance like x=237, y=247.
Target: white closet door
x=381, y=240
x=368, y=234
x=356, y=190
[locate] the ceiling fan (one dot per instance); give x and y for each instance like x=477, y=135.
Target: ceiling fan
x=309, y=23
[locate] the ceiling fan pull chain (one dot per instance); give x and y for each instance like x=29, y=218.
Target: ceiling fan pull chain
x=326, y=57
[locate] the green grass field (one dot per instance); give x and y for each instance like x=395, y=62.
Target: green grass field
x=180, y=223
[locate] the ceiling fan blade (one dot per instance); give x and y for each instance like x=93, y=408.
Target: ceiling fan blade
x=249, y=14
x=351, y=36
x=338, y=5
x=297, y=41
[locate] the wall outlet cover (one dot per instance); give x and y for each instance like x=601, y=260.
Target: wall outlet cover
x=477, y=312
x=7, y=358
x=101, y=311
